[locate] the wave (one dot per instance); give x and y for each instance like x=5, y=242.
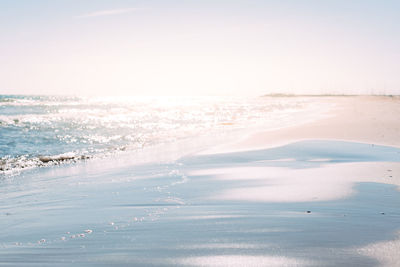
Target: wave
x=38, y=131
x=15, y=165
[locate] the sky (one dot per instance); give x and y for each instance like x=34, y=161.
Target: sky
x=247, y=47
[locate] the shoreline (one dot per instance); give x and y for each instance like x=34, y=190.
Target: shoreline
x=272, y=114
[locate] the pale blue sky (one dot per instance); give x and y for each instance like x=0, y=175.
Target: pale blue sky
x=199, y=47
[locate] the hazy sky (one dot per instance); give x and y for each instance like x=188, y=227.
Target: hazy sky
x=199, y=47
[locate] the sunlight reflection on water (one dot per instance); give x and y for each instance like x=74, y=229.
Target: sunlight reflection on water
x=32, y=127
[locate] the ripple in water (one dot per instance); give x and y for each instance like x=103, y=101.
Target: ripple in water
x=47, y=130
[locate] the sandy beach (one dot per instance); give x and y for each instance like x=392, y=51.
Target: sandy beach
x=366, y=119
x=320, y=193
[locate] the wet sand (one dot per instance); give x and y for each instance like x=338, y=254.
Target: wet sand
x=367, y=119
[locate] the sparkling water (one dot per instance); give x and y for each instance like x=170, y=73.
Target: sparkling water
x=44, y=130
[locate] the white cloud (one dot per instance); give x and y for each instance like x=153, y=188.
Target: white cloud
x=108, y=12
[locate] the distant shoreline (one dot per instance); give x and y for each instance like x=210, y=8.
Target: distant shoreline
x=329, y=95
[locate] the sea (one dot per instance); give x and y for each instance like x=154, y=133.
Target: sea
x=40, y=131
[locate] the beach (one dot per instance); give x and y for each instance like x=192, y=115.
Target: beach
x=318, y=191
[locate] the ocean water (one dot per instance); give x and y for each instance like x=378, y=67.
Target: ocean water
x=37, y=131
